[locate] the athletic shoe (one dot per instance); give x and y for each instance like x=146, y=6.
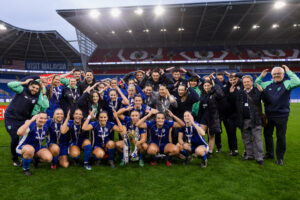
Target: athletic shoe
x=76, y=162
x=248, y=158
x=209, y=155
x=204, y=164
x=218, y=150
x=260, y=162
x=16, y=163
x=141, y=163
x=97, y=162
x=111, y=163
x=35, y=162
x=87, y=167
x=188, y=160
x=268, y=156
x=53, y=166
x=154, y=163
x=280, y=162
x=27, y=172
x=122, y=163
x=181, y=156
x=235, y=153
x=168, y=163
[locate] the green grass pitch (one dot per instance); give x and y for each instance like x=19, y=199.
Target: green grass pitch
x=225, y=177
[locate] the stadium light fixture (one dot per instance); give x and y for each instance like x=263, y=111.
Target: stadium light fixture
x=279, y=4
x=113, y=32
x=115, y=12
x=146, y=30
x=94, y=14
x=180, y=29
x=296, y=25
x=129, y=31
x=3, y=27
x=236, y=27
x=138, y=11
x=255, y=26
x=158, y=10
x=163, y=30
x=275, y=26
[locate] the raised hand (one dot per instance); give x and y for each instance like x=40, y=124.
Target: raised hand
x=130, y=107
x=183, y=70
x=170, y=113
x=264, y=73
x=259, y=87
x=34, y=117
x=161, y=71
x=148, y=73
x=232, y=88
x=26, y=82
x=286, y=68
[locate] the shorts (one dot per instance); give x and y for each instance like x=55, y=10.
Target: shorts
x=100, y=145
x=79, y=143
x=161, y=147
x=204, y=119
x=63, y=150
x=36, y=147
x=194, y=147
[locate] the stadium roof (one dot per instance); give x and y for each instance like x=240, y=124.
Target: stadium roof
x=188, y=25
x=22, y=44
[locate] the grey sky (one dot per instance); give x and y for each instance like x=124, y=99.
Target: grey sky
x=41, y=14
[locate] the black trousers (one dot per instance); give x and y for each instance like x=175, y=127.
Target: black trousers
x=12, y=127
x=281, y=126
x=230, y=127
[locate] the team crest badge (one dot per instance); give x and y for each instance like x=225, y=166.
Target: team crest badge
x=278, y=89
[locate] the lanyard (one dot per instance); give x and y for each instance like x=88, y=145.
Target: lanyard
x=102, y=135
x=74, y=95
x=111, y=104
x=76, y=132
x=56, y=93
x=57, y=132
x=188, y=133
x=39, y=132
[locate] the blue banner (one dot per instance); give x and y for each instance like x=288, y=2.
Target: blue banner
x=53, y=66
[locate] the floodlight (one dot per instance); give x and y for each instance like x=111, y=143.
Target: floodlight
x=129, y=31
x=115, y=12
x=158, y=10
x=113, y=32
x=3, y=27
x=274, y=26
x=279, y=4
x=180, y=29
x=236, y=27
x=94, y=14
x=255, y=26
x=138, y=11
x=163, y=30
x=146, y=30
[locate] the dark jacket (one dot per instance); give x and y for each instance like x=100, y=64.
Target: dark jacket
x=187, y=105
x=83, y=85
x=238, y=99
x=209, y=108
x=85, y=104
x=164, y=79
